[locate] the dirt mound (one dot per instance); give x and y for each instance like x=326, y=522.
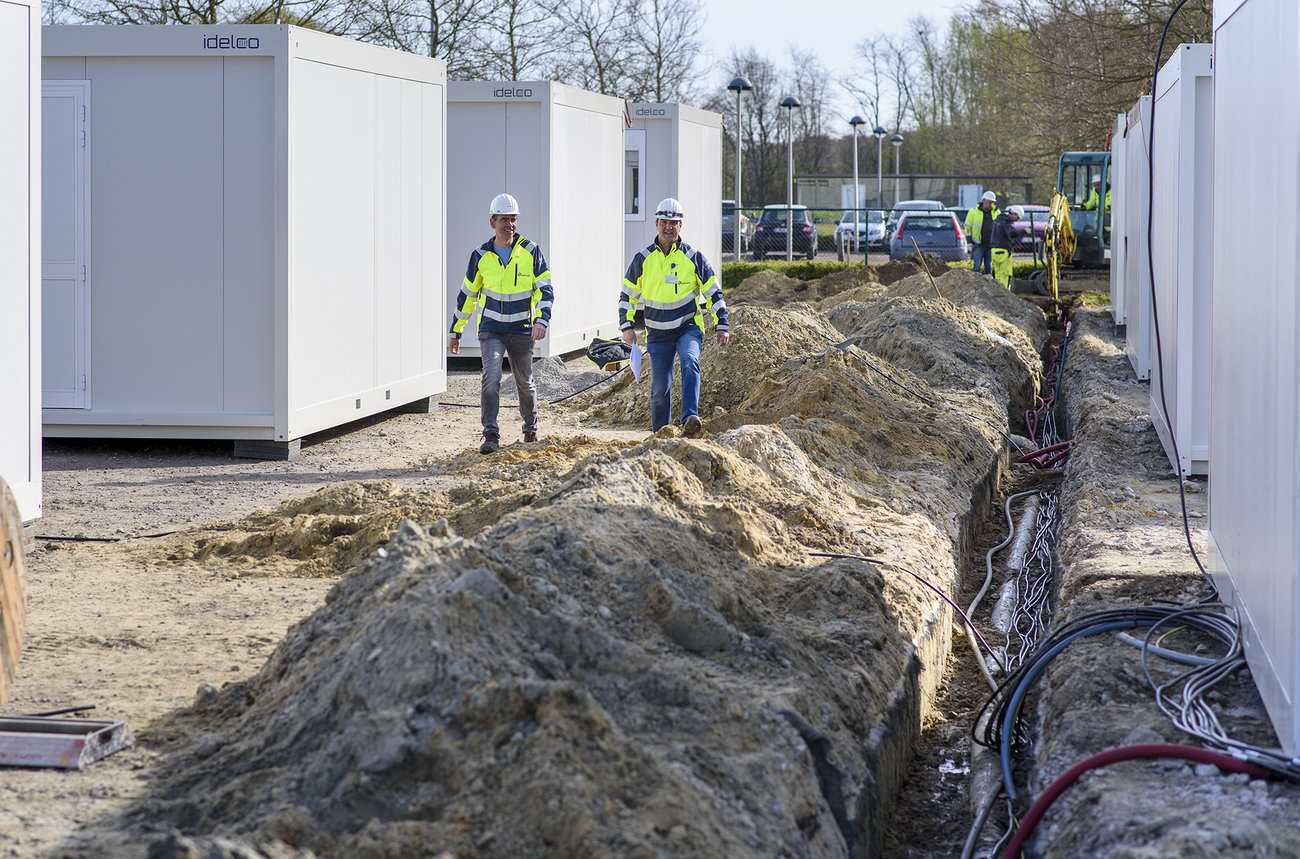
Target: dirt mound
x=773, y=289
x=976, y=336
x=761, y=340
x=968, y=289
x=896, y=270
x=573, y=682
x=607, y=650
x=327, y=533
x=877, y=425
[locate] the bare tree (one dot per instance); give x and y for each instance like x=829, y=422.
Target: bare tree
x=594, y=54
x=665, y=50
x=445, y=29
x=807, y=79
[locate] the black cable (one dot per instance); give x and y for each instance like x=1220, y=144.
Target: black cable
x=1155, y=315
x=65, y=711
x=53, y=538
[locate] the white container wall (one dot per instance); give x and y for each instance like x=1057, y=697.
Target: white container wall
x=1181, y=213
x=20, y=248
x=1255, y=376
x=1137, y=207
x=250, y=241
x=675, y=151
x=559, y=151
x=1119, y=144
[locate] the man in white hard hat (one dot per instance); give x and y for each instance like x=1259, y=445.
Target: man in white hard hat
x=1004, y=238
x=1093, y=199
x=510, y=284
x=670, y=280
x=979, y=232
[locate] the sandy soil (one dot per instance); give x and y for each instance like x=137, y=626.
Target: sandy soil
x=169, y=608
x=113, y=626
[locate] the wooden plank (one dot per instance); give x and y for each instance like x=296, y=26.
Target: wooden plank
x=13, y=584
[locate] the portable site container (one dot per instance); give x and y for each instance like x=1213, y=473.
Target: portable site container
x=1118, y=246
x=558, y=151
x=20, y=244
x=249, y=232
x=1137, y=207
x=1255, y=340
x=1181, y=210
x=673, y=150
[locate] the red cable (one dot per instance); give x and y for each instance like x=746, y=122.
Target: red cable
x=1227, y=763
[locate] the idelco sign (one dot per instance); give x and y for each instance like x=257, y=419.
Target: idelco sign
x=231, y=43
x=512, y=92
x=651, y=111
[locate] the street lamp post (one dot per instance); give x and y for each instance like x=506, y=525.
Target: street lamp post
x=857, y=122
x=789, y=103
x=738, y=85
x=897, y=140
x=880, y=140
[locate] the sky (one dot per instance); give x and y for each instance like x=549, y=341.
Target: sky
x=830, y=29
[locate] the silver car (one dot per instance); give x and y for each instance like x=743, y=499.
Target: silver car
x=869, y=227
x=729, y=227
x=908, y=206
x=935, y=232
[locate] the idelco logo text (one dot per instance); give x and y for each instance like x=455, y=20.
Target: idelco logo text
x=651, y=111
x=227, y=43
x=512, y=92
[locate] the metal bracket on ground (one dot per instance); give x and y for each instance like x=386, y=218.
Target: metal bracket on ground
x=35, y=741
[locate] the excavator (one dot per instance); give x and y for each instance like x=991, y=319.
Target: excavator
x=1078, y=220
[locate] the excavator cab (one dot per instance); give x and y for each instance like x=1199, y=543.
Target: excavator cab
x=1089, y=210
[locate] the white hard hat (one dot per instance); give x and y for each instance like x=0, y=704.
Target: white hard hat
x=504, y=204
x=1096, y=177
x=668, y=209
x=1017, y=211
x=989, y=195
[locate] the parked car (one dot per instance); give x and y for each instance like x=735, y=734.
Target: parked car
x=935, y=232
x=908, y=206
x=729, y=227
x=769, y=232
x=1032, y=227
x=869, y=226
x=960, y=212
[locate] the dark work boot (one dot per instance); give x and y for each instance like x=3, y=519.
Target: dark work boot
x=529, y=437
x=491, y=441
x=692, y=427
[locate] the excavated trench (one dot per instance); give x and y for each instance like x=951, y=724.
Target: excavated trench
x=686, y=647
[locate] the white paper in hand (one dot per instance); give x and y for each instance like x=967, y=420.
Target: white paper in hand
x=636, y=362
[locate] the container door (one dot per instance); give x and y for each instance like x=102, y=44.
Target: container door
x=65, y=243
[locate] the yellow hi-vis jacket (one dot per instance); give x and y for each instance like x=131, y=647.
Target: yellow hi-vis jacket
x=669, y=287
x=510, y=297
x=1090, y=202
x=977, y=220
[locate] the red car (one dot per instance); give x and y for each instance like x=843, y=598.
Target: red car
x=1032, y=227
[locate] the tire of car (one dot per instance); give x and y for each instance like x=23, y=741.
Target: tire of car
x=812, y=252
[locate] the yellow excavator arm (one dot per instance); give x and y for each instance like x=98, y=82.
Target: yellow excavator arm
x=1058, y=241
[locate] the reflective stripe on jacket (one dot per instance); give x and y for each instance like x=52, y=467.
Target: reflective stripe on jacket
x=669, y=288
x=510, y=297
x=977, y=220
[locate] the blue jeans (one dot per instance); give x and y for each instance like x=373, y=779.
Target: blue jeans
x=978, y=256
x=493, y=348
x=687, y=349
